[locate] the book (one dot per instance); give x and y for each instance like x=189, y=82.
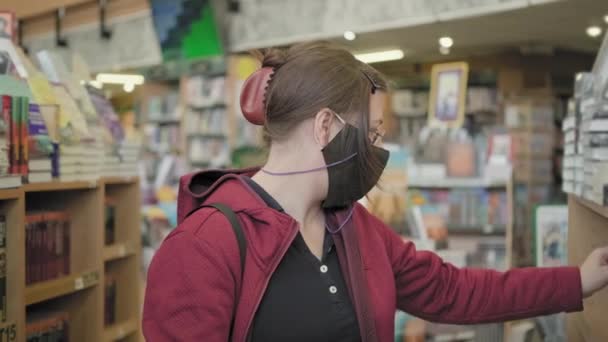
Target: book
x=3, y=286
x=47, y=246
x=10, y=181
x=10, y=63
x=47, y=326
x=14, y=138
x=23, y=135
x=110, y=301
x=598, y=125
x=40, y=177
x=35, y=165
x=39, y=141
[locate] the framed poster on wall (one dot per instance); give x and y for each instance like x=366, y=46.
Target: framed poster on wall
x=551, y=234
x=448, y=94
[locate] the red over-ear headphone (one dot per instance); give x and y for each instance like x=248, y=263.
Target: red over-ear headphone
x=253, y=95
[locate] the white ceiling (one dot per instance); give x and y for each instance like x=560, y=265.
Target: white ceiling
x=559, y=24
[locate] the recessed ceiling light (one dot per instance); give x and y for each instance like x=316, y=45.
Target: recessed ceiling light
x=606, y=18
x=380, y=56
x=446, y=42
x=128, y=87
x=349, y=35
x=594, y=31
x=444, y=50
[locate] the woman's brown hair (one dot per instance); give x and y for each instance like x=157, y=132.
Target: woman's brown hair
x=311, y=76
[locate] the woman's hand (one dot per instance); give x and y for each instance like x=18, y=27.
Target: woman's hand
x=594, y=271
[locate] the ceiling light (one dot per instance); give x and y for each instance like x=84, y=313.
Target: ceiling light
x=380, y=56
x=446, y=42
x=120, y=79
x=349, y=35
x=444, y=50
x=606, y=18
x=594, y=31
x=128, y=87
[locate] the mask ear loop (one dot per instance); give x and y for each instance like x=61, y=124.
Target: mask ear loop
x=343, y=224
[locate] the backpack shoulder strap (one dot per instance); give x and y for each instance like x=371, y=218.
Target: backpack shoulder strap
x=236, y=227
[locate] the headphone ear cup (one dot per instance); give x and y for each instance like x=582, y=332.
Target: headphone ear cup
x=253, y=95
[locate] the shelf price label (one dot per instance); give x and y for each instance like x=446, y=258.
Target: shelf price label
x=8, y=332
x=79, y=283
x=122, y=251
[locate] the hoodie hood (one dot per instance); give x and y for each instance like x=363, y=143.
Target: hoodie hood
x=216, y=186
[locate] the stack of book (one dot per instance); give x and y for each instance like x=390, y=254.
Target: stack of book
x=465, y=209
x=128, y=152
x=47, y=326
x=573, y=162
x=3, y=275
x=596, y=155
x=47, y=246
x=68, y=162
x=533, y=139
x=40, y=146
x=8, y=178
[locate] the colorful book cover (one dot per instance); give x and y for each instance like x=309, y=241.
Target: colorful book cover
x=39, y=142
x=6, y=119
x=23, y=136
x=14, y=139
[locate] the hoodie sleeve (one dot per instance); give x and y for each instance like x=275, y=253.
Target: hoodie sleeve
x=190, y=292
x=437, y=291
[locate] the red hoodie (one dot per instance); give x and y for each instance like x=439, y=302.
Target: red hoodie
x=196, y=274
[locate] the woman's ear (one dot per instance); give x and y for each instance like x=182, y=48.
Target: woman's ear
x=322, y=127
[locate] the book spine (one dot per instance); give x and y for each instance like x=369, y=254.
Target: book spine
x=23, y=136
x=65, y=224
x=6, y=115
x=3, y=283
x=14, y=136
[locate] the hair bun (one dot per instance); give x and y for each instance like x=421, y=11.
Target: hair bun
x=253, y=95
x=273, y=57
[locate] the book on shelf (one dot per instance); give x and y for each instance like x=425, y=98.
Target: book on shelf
x=3, y=271
x=47, y=246
x=40, y=177
x=47, y=326
x=110, y=298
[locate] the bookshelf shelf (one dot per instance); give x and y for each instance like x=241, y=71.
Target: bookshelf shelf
x=598, y=209
x=208, y=107
x=119, y=331
x=58, y=186
x=80, y=296
x=43, y=291
x=118, y=251
x=9, y=194
x=119, y=180
x=434, y=183
x=587, y=230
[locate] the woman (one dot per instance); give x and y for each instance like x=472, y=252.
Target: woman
x=318, y=266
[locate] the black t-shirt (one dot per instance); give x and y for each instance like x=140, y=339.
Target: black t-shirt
x=306, y=298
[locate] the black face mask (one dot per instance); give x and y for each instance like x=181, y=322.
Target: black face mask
x=347, y=183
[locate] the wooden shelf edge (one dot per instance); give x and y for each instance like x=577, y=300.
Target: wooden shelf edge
x=119, y=180
x=117, y=251
x=9, y=194
x=598, y=209
x=120, y=330
x=46, y=290
x=59, y=186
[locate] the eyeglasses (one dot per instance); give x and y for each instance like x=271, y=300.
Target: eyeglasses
x=375, y=134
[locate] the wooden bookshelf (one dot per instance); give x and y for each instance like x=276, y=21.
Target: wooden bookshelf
x=118, y=251
x=587, y=230
x=51, y=289
x=81, y=293
x=120, y=331
x=122, y=260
